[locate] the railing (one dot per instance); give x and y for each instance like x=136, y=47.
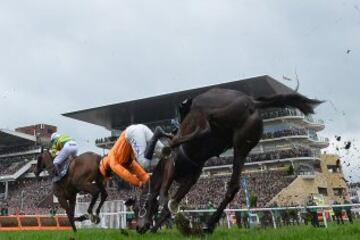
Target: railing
x=33, y=222
x=319, y=139
x=109, y=214
x=285, y=133
x=315, y=121
x=322, y=211
x=288, y=112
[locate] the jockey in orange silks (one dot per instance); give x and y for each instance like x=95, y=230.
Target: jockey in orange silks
x=132, y=152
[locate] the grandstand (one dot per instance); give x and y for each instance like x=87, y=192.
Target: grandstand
x=20, y=192
x=288, y=157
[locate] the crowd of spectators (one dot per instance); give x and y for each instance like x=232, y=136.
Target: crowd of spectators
x=105, y=139
x=266, y=156
x=25, y=196
x=284, y=132
x=280, y=154
x=10, y=166
x=211, y=190
x=18, y=149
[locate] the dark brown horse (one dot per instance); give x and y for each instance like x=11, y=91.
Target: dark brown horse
x=83, y=176
x=215, y=121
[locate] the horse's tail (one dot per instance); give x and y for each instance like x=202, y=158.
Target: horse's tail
x=304, y=104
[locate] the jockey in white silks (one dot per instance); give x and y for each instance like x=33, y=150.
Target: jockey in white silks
x=62, y=147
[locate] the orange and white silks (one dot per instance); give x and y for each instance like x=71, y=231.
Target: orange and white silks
x=121, y=160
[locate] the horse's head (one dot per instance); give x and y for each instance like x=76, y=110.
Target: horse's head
x=144, y=209
x=146, y=205
x=43, y=162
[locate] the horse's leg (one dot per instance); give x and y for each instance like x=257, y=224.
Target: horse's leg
x=72, y=203
x=245, y=139
x=168, y=179
x=94, y=198
x=103, y=196
x=64, y=204
x=172, y=206
x=163, y=192
x=94, y=191
x=183, y=189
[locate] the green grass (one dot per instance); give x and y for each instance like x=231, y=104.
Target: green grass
x=341, y=232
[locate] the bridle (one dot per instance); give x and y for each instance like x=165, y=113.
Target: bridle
x=143, y=206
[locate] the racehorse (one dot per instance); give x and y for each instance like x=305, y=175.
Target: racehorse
x=83, y=176
x=213, y=122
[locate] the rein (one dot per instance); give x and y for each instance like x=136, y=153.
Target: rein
x=143, y=210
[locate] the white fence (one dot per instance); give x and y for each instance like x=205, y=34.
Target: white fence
x=252, y=211
x=113, y=213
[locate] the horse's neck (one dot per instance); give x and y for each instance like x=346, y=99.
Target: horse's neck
x=49, y=163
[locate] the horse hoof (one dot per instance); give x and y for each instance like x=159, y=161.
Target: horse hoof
x=93, y=218
x=153, y=230
x=173, y=206
x=97, y=219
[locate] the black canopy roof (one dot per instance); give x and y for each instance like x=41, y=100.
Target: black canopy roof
x=163, y=107
x=9, y=139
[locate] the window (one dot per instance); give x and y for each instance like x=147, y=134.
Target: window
x=332, y=168
x=338, y=191
x=323, y=191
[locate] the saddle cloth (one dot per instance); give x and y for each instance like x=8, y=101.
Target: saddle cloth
x=63, y=170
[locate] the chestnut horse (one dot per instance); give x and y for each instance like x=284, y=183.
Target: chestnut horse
x=214, y=122
x=83, y=176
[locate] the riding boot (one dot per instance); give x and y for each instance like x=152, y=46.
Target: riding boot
x=55, y=172
x=158, y=133
x=52, y=171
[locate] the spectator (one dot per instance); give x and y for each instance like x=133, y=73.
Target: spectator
x=348, y=210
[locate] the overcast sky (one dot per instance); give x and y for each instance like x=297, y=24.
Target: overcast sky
x=62, y=56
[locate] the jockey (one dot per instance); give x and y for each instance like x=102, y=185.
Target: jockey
x=62, y=147
x=174, y=126
x=132, y=152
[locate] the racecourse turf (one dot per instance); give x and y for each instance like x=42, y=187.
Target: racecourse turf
x=338, y=232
